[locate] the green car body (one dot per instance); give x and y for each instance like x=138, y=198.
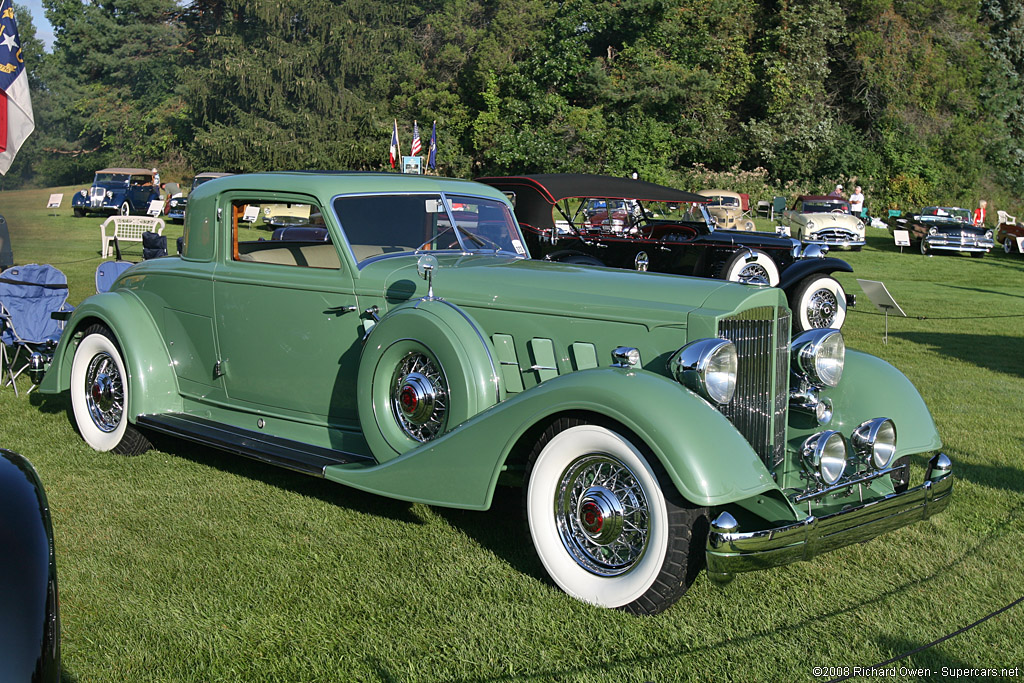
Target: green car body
x=387, y=350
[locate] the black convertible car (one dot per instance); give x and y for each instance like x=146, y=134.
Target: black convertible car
x=624, y=223
x=945, y=228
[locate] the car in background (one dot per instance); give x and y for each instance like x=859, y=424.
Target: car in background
x=663, y=230
x=174, y=207
x=826, y=221
x=656, y=423
x=29, y=604
x=123, y=191
x=945, y=228
x=1007, y=233
x=726, y=207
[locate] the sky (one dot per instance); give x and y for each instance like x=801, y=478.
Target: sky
x=44, y=31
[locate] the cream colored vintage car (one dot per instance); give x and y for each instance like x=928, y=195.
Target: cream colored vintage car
x=726, y=207
x=824, y=220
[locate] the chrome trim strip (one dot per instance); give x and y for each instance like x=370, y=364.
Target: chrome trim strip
x=847, y=483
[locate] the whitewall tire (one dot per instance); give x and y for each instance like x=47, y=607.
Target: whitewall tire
x=607, y=525
x=819, y=301
x=99, y=395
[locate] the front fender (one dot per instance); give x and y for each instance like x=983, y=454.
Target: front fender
x=77, y=199
x=798, y=270
x=705, y=457
x=154, y=387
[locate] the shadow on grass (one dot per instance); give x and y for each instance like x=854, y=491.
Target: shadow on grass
x=314, y=487
x=998, y=353
x=1010, y=521
x=982, y=291
x=993, y=477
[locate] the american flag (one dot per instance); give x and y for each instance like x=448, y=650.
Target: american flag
x=16, y=120
x=416, y=146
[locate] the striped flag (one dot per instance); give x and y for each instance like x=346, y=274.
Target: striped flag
x=395, y=151
x=16, y=120
x=416, y=146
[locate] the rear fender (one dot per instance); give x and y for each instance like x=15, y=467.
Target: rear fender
x=154, y=387
x=705, y=457
x=798, y=270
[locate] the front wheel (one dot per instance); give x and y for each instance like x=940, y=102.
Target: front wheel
x=79, y=212
x=607, y=523
x=99, y=395
x=924, y=248
x=125, y=210
x=819, y=301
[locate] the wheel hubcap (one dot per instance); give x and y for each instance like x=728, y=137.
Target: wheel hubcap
x=754, y=274
x=104, y=392
x=602, y=515
x=822, y=308
x=419, y=397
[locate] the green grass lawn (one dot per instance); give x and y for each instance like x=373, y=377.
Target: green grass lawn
x=187, y=564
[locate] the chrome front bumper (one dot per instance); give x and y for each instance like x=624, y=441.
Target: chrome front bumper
x=958, y=243
x=731, y=551
x=837, y=243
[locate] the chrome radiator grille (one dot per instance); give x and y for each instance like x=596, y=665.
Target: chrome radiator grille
x=758, y=409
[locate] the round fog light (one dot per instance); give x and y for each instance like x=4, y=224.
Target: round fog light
x=825, y=454
x=874, y=442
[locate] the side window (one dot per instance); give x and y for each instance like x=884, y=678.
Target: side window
x=281, y=233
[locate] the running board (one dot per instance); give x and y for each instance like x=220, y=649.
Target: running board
x=294, y=455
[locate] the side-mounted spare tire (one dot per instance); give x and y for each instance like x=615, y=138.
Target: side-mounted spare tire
x=750, y=266
x=426, y=368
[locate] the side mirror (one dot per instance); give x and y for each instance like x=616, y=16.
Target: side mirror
x=425, y=266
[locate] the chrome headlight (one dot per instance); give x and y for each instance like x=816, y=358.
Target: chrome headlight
x=708, y=367
x=988, y=234
x=874, y=442
x=84, y=193
x=109, y=194
x=819, y=356
x=824, y=454
x=933, y=231
x=625, y=357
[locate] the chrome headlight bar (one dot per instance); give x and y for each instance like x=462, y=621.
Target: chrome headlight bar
x=824, y=454
x=874, y=442
x=708, y=367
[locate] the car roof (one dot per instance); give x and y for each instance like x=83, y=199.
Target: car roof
x=557, y=186
x=718, y=193
x=212, y=174
x=129, y=171
x=822, y=198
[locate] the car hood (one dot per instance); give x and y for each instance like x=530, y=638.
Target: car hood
x=954, y=227
x=825, y=221
x=566, y=290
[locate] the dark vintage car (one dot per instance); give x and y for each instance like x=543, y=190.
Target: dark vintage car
x=945, y=228
x=669, y=231
x=29, y=609
x=123, y=191
x=174, y=209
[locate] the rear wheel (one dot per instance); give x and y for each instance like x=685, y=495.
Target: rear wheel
x=819, y=301
x=1009, y=245
x=607, y=523
x=99, y=395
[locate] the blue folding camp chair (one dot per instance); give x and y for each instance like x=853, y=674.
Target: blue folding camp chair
x=29, y=296
x=107, y=272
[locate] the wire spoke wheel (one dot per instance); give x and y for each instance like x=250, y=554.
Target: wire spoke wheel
x=602, y=515
x=104, y=392
x=419, y=397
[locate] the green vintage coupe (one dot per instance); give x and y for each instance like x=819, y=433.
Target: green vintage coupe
x=403, y=343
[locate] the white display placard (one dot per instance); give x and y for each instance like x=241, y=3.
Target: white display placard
x=55, y=200
x=901, y=237
x=252, y=212
x=155, y=207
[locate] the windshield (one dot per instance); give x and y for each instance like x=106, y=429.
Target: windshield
x=720, y=200
x=379, y=225
x=825, y=206
x=946, y=213
x=110, y=178
x=623, y=216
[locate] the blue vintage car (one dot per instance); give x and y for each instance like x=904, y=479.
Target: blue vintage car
x=118, y=190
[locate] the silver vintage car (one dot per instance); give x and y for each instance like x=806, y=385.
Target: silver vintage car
x=824, y=220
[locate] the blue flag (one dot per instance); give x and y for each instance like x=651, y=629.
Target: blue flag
x=432, y=149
